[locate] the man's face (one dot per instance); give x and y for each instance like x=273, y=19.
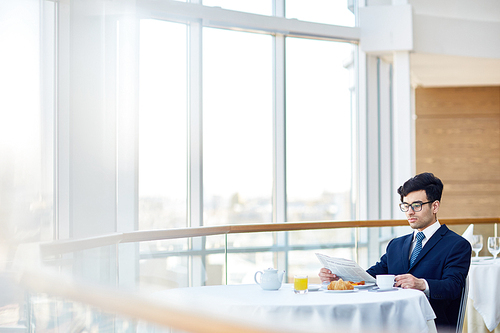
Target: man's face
x=424, y=218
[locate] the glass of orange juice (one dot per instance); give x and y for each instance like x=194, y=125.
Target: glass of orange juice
x=300, y=284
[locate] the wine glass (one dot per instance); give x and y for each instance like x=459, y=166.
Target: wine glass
x=494, y=246
x=477, y=244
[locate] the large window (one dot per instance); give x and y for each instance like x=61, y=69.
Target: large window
x=318, y=128
x=26, y=126
x=266, y=116
x=162, y=125
x=237, y=127
x=125, y=116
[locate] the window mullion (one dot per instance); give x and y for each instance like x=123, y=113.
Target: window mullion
x=279, y=187
x=279, y=140
x=195, y=146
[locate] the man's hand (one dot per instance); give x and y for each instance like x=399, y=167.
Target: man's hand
x=325, y=275
x=408, y=281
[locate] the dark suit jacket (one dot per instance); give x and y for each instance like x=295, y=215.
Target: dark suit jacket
x=444, y=263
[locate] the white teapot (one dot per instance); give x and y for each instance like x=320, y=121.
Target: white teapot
x=270, y=279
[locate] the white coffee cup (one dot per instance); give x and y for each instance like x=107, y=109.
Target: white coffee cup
x=385, y=281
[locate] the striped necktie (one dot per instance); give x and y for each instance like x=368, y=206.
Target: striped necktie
x=418, y=248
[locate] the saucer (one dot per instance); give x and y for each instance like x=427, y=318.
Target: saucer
x=314, y=287
x=378, y=290
x=341, y=291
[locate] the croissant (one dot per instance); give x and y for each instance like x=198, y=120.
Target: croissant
x=340, y=285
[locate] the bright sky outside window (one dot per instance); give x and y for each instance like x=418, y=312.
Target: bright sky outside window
x=162, y=125
x=26, y=127
x=237, y=127
x=318, y=130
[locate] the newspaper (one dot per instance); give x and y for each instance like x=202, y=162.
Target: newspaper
x=345, y=269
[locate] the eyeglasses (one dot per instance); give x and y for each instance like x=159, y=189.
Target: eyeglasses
x=416, y=206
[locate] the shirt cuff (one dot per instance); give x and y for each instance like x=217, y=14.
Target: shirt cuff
x=427, y=292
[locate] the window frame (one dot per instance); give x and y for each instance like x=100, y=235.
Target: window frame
x=196, y=17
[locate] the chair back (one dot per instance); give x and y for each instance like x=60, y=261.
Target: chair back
x=463, y=306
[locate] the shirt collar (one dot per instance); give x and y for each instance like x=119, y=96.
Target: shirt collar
x=429, y=231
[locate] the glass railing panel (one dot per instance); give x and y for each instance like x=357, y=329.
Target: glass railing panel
x=253, y=239
x=326, y=237
x=49, y=314
x=198, y=261
x=303, y=262
x=95, y=265
x=150, y=268
x=292, y=251
x=52, y=314
x=362, y=255
x=178, y=263
x=305, y=244
x=242, y=266
x=248, y=253
x=372, y=243
x=166, y=245
x=13, y=305
x=159, y=272
x=214, y=270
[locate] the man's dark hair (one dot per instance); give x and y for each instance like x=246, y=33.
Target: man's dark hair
x=432, y=185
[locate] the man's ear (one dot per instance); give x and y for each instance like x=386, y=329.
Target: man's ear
x=435, y=206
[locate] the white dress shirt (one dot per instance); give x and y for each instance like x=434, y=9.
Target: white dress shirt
x=428, y=232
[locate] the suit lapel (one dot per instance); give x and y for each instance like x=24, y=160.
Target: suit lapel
x=406, y=251
x=438, y=235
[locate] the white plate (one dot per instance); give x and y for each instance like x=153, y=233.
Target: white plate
x=314, y=287
x=341, y=291
x=481, y=258
x=384, y=290
x=366, y=285
x=483, y=262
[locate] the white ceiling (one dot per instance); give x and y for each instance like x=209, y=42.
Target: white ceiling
x=431, y=70
x=455, y=42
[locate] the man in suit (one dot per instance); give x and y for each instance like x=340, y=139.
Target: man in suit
x=432, y=259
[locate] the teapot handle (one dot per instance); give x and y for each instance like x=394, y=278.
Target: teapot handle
x=255, y=276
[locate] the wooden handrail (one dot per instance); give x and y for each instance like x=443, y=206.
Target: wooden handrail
x=70, y=245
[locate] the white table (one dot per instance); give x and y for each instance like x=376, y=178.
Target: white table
x=402, y=310
x=484, y=291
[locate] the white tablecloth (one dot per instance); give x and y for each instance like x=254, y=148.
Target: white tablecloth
x=401, y=310
x=484, y=290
